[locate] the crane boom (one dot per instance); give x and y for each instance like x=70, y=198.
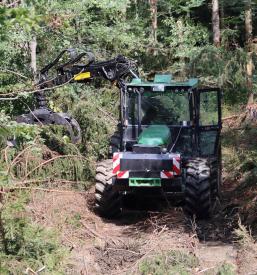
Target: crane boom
x=114, y=70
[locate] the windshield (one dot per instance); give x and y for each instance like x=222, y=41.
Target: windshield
x=170, y=108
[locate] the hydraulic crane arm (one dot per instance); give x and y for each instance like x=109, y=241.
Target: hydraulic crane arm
x=115, y=70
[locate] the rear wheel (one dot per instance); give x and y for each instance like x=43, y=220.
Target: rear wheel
x=215, y=170
x=198, y=189
x=107, y=200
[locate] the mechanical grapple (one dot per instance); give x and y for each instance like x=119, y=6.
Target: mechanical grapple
x=114, y=70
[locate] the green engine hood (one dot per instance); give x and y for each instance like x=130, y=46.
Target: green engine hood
x=155, y=135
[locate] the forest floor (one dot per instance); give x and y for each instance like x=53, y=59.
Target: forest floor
x=149, y=242
x=100, y=246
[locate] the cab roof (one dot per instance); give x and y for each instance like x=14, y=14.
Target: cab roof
x=164, y=80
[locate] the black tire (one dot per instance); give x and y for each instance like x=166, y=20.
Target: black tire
x=114, y=143
x=107, y=200
x=198, y=199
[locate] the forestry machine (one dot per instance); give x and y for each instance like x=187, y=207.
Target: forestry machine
x=167, y=143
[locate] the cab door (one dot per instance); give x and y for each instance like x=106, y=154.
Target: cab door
x=209, y=121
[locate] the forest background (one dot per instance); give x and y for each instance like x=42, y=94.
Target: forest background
x=214, y=41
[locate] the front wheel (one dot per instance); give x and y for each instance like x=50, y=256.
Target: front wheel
x=107, y=200
x=198, y=198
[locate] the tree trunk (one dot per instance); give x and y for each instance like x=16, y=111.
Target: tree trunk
x=222, y=15
x=33, y=56
x=153, y=8
x=136, y=9
x=249, y=41
x=216, y=22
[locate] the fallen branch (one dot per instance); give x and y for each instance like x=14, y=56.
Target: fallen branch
x=47, y=161
x=93, y=231
x=17, y=157
x=18, y=183
x=41, y=124
x=202, y=271
x=107, y=114
x=134, y=266
x=31, y=271
x=122, y=249
x=16, y=94
x=13, y=72
x=5, y=155
x=7, y=190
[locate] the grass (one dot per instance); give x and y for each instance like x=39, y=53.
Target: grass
x=243, y=235
x=74, y=220
x=240, y=167
x=172, y=262
x=180, y=263
x=25, y=244
x=226, y=269
x=239, y=150
x=228, y=110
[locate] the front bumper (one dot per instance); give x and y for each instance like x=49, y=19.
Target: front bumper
x=129, y=165
x=167, y=185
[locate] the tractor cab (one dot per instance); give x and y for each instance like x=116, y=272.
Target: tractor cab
x=171, y=116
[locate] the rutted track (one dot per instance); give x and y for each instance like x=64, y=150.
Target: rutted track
x=100, y=246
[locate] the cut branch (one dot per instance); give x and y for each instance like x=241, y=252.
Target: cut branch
x=16, y=94
x=48, y=161
x=13, y=72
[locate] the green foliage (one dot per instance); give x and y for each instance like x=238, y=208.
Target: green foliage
x=241, y=149
x=185, y=40
x=209, y=108
x=39, y=145
x=4, y=132
x=226, y=69
x=226, y=269
x=26, y=241
x=96, y=128
x=179, y=7
x=96, y=110
x=16, y=16
x=173, y=262
x=74, y=220
x=22, y=133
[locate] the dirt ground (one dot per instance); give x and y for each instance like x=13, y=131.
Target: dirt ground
x=100, y=246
